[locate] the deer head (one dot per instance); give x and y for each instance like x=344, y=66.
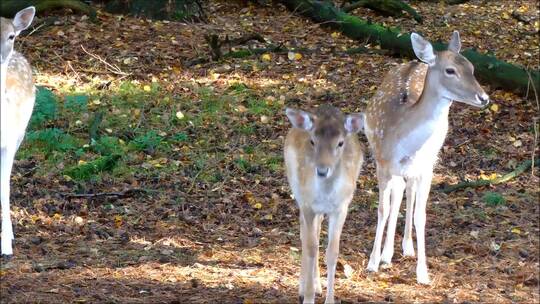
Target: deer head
x=10, y=28
x=328, y=129
x=452, y=72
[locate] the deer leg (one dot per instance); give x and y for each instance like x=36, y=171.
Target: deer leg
x=335, y=226
x=309, y=252
x=317, y=281
x=382, y=216
x=407, y=243
x=398, y=185
x=7, y=158
x=422, y=194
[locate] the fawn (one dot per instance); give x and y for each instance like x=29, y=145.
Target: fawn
x=17, y=101
x=323, y=158
x=406, y=124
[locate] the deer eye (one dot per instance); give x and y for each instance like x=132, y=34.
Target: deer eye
x=450, y=71
x=312, y=142
x=340, y=144
x=11, y=37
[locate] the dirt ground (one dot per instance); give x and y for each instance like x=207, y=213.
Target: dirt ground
x=197, y=238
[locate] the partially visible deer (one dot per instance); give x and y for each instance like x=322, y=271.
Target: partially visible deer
x=17, y=101
x=323, y=158
x=406, y=124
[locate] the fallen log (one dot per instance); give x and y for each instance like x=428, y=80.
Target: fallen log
x=485, y=182
x=8, y=8
x=488, y=69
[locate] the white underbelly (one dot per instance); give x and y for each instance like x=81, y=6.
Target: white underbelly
x=417, y=152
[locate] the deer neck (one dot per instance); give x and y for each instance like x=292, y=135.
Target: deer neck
x=433, y=105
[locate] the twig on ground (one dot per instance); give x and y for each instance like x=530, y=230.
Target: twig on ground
x=121, y=194
x=110, y=67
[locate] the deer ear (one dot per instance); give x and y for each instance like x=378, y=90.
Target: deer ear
x=23, y=19
x=455, y=43
x=300, y=119
x=354, y=123
x=423, y=49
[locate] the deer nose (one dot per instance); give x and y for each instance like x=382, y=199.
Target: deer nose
x=322, y=172
x=483, y=98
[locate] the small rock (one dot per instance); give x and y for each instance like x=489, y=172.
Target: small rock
x=167, y=251
x=257, y=232
x=79, y=220
x=523, y=253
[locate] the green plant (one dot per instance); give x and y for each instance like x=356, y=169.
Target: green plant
x=493, y=199
x=91, y=169
x=180, y=137
x=52, y=139
x=76, y=103
x=106, y=145
x=45, y=107
x=238, y=87
x=148, y=142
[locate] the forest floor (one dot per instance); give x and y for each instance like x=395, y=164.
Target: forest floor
x=208, y=216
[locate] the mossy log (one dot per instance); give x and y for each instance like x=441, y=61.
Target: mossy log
x=8, y=8
x=484, y=182
x=488, y=69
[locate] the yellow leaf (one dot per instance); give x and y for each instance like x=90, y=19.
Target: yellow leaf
x=34, y=218
x=57, y=216
x=266, y=57
x=516, y=230
x=257, y=206
x=494, y=107
x=297, y=56
x=118, y=221
x=147, y=88
x=335, y=35
x=179, y=115
x=82, y=162
x=268, y=217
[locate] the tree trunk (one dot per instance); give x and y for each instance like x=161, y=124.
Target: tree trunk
x=488, y=69
x=8, y=8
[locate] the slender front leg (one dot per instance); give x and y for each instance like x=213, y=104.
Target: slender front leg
x=407, y=243
x=382, y=216
x=6, y=163
x=424, y=185
x=317, y=282
x=398, y=186
x=335, y=225
x=309, y=252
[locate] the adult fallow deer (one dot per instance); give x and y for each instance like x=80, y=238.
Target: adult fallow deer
x=406, y=124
